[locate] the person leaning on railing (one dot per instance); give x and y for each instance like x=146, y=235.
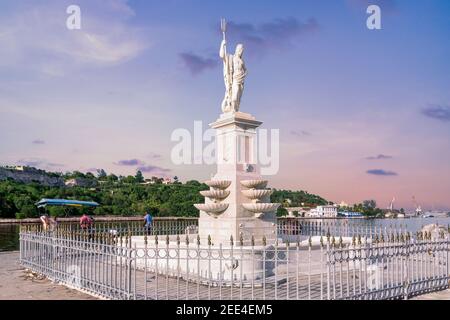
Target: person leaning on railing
x=45, y=222
x=54, y=223
x=85, y=222
x=148, y=219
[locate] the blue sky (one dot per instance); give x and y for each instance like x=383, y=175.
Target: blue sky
x=340, y=94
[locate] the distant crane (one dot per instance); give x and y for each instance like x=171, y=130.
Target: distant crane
x=418, y=207
x=391, y=205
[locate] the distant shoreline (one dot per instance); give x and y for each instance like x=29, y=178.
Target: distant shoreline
x=97, y=219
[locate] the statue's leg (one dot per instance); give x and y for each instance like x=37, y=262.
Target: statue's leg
x=237, y=94
x=226, y=103
x=235, y=98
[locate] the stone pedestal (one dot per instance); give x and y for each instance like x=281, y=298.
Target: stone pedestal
x=238, y=203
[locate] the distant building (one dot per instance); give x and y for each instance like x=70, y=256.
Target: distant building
x=328, y=211
x=343, y=204
x=148, y=181
x=80, y=182
x=301, y=211
x=167, y=181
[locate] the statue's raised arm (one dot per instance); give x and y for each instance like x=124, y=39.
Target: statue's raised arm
x=223, y=49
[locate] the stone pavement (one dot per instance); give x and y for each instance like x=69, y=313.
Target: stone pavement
x=18, y=284
x=440, y=295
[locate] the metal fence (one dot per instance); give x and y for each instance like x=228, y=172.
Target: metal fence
x=288, y=229
x=123, y=265
x=291, y=227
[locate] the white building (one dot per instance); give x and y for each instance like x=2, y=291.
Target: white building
x=301, y=211
x=343, y=204
x=324, y=211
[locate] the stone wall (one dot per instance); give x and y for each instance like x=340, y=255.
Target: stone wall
x=30, y=177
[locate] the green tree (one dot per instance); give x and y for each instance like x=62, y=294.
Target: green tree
x=369, y=204
x=101, y=174
x=139, y=178
x=282, y=212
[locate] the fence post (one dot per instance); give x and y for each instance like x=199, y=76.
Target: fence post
x=406, y=276
x=328, y=269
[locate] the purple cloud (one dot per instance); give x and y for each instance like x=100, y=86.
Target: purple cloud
x=32, y=162
x=150, y=168
x=276, y=34
x=381, y=172
x=197, y=64
x=38, y=141
x=131, y=162
x=379, y=157
x=300, y=133
x=39, y=163
x=154, y=156
x=437, y=112
x=51, y=164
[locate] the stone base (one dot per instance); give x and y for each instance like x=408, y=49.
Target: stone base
x=220, y=229
x=216, y=265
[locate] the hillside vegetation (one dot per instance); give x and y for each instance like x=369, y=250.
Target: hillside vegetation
x=124, y=196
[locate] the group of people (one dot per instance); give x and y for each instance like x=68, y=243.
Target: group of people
x=87, y=222
x=51, y=223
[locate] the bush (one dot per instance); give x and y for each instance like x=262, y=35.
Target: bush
x=281, y=212
x=27, y=211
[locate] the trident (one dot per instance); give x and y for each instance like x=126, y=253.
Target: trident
x=223, y=27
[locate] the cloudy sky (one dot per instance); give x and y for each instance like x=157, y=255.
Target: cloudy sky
x=362, y=113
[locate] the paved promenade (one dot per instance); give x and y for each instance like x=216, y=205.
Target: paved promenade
x=440, y=295
x=17, y=284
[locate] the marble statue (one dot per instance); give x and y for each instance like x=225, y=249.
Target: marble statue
x=234, y=73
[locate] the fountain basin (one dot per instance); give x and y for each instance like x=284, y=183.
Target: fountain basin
x=256, y=194
x=218, y=184
x=212, y=207
x=215, y=194
x=254, y=184
x=261, y=207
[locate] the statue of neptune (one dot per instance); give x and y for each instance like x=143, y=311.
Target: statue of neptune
x=234, y=73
